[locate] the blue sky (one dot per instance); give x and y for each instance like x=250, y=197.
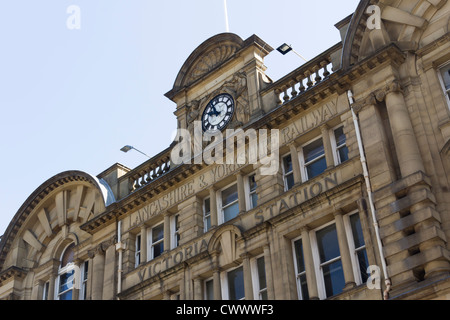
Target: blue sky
x=70, y=99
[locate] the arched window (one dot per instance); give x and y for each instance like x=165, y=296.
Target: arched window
x=66, y=274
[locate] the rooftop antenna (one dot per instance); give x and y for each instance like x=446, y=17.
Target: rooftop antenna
x=227, y=27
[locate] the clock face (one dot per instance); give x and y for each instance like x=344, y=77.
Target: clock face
x=218, y=113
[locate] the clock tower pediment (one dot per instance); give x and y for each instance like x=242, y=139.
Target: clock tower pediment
x=222, y=66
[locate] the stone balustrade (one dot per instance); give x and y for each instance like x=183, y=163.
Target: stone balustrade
x=305, y=77
x=146, y=172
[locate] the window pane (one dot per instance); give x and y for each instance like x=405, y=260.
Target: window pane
x=340, y=136
x=287, y=164
x=207, y=222
x=67, y=256
x=289, y=181
x=231, y=212
x=236, y=284
x=252, y=183
x=229, y=195
x=261, y=273
x=298, y=245
x=207, y=207
x=209, y=290
x=263, y=295
x=343, y=154
x=357, y=230
x=254, y=198
x=158, y=249
x=66, y=281
x=303, y=287
x=328, y=243
x=158, y=233
x=316, y=168
x=313, y=150
x=445, y=72
x=334, y=278
x=363, y=264
x=66, y=295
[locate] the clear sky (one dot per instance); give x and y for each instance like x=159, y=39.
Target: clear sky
x=70, y=99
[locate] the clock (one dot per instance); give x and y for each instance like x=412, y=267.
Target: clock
x=218, y=113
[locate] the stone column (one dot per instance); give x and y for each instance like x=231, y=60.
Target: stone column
x=241, y=193
x=216, y=276
x=248, y=283
x=109, y=272
x=327, y=146
x=51, y=286
x=144, y=244
x=198, y=289
x=295, y=163
x=98, y=272
x=269, y=273
x=167, y=234
x=213, y=207
x=408, y=154
x=313, y=292
x=345, y=251
x=410, y=161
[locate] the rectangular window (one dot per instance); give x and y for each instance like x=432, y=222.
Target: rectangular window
x=444, y=75
x=252, y=195
x=341, y=146
x=300, y=270
x=45, y=291
x=358, y=246
x=288, y=173
x=330, y=261
x=137, y=253
x=207, y=214
x=84, y=279
x=65, y=285
x=156, y=241
x=235, y=284
x=314, y=162
x=259, y=278
x=175, y=227
x=209, y=289
x=230, y=204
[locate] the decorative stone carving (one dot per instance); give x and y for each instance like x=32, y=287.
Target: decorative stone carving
x=209, y=61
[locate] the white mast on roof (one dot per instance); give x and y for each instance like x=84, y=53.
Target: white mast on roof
x=227, y=27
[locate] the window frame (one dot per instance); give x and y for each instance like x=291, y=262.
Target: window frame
x=298, y=275
x=70, y=267
x=220, y=204
x=445, y=91
x=205, y=289
x=318, y=265
x=150, y=244
x=285, y=174
x=137, y=251
x=224, y=283
x=257, y=291
x=206, y=217
x=303, y=164
x=351, y=243
x=249, y=192
x=336, y=157
x=84, y=276
x=175, y=235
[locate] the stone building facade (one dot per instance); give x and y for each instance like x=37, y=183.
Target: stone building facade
x=358, y=208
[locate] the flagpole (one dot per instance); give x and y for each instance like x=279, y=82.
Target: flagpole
x=227, y=27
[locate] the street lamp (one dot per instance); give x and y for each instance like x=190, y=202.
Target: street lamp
x=128, y=148
x=285, y=48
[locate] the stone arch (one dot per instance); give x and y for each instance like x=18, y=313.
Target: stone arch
x=402, y=23
x=69, y=198
x=207, y=57
x=224, y=242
